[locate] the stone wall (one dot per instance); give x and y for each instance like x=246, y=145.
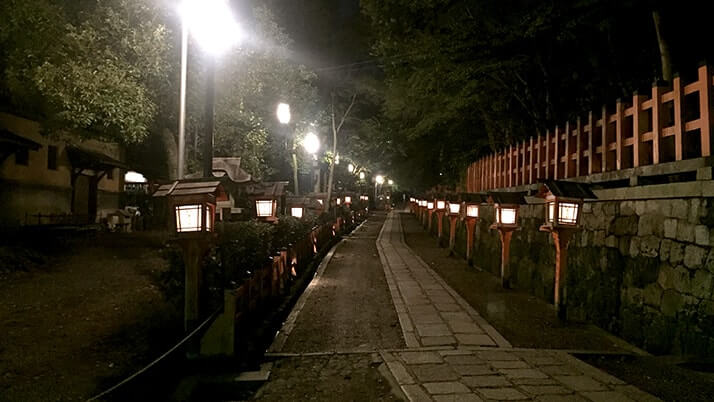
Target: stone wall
x=640, y=269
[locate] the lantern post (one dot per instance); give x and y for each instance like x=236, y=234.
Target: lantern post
x=430, y=212
x=506, y=206
x=440, y=211
x=470, y=211
x=563, y=208
x=193, y=208
x=454, y=214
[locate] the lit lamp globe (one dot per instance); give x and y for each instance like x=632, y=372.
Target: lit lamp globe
x=211, y=24
x=283, y=113
x=311, y=143
x=379, y=179
x=351, y=168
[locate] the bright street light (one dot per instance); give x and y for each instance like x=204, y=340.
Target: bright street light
x=283, y=113
x=361, y=175
x=212, y=24
x=391, y=182
x=379, y=179
x=350, y=168
x=311, y=143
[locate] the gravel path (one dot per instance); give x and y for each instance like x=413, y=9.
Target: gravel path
x=350, y=307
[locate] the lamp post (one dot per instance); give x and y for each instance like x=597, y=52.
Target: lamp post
x=563, y=208
x=212, y=24
x=284, y=117
x=311, y=144
x=506, y=206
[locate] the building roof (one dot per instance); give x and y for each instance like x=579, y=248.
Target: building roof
x=567, y=189
x=192, y=187
x=226, y=167
x=11, y=141
x=508, y=197
x=267, y=189
x=85, y=159
x=474, y=197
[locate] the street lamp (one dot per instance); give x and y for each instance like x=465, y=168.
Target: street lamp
x=351, y=169
x=379, y=179
x=311, y=144
x=390, y=182
x=283, y=113
x=211, y=23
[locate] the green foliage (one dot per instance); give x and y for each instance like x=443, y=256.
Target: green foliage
x=244, y=248
x=466, y=78
x=91, y=67
x=290, y=230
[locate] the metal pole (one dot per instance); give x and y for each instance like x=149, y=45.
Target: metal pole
x=208, y=116
x=182, y=102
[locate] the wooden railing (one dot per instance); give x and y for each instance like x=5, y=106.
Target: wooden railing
x=671, y=124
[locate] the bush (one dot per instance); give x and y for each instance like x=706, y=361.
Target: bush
x=244, y=247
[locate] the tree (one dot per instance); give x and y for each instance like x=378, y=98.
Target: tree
x=336, y=127
x=91, y=67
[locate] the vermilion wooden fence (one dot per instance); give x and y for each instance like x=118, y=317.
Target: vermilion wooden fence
x=671, y=124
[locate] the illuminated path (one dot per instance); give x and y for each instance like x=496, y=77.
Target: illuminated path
x=343, y=340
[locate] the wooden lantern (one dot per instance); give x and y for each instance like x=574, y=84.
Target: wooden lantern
x=506, y=207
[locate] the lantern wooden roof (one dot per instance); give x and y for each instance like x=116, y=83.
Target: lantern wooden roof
x=267, y=190
x=566, y=189
x=507, y=197
x=474, y=197
x=198, y=187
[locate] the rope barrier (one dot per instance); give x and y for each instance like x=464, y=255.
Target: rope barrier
x=158, y=359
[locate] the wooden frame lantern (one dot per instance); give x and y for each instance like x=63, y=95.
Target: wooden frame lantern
x=506, y=208
x=266, y=209
x=429, y=212
x=441, y=206
x=471, y=212
x=193, y=209
x=297, y=212
x=454, y=214
x=348, y=200
x=563, y=208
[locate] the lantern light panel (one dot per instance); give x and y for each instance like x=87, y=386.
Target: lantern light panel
x=472, y=211
x=338, y=201
x=430, y=205
x=454, y=208
x=264, y=208
x=348, y=199
x=188, y=218
x=440, y=204
x=506, y=216
x=296, y=212
x=567, y=213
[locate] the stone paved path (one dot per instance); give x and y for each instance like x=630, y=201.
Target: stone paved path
x=468, y=360
x=430, y=312
x=451, y=354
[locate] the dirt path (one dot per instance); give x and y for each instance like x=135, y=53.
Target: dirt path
x=84, y=319
x=350, y=307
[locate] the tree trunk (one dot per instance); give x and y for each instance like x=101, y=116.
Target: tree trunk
x=335, y=130
x=665, y=56
x=295, y=173
x=169, y=141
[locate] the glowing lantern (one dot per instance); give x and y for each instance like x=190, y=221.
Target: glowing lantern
x=296, y=212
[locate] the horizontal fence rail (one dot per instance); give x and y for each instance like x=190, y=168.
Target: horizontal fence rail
x=670, y=124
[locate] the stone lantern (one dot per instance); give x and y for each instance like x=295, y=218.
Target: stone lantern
x=506, y=206
x=563, y=208
x=193, y=207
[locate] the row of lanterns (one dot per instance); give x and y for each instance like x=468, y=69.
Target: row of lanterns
x=563, y=206
x=266, y=209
